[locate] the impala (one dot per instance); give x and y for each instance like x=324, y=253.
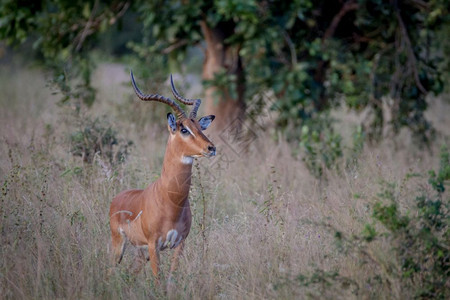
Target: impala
x=159, y=216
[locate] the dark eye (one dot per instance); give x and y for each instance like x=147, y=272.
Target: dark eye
x=184, y=131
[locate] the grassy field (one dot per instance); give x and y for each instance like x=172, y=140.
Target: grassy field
x=269, y=227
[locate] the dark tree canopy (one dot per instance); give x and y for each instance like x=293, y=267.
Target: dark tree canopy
x=63, y=33
x=311, y=55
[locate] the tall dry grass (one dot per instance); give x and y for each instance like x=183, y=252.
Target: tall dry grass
x=266, y=223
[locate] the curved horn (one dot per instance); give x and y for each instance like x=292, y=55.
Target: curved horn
x=155, y=97
x=193, y=113
x=195, y=102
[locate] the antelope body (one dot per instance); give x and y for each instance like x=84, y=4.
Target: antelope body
x=159, y=216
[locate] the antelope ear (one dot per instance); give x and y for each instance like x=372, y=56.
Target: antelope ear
x=206, y=121
x=172, y=122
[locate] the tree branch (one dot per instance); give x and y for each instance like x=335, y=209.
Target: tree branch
x=411, y=55
x=84, y=33
x=347, y=7
x=92, y=24
x=291, y=46
x=175, y=46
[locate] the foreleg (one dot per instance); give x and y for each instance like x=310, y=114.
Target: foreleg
x=154, y=259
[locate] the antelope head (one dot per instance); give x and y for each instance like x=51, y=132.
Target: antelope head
x=186, y=133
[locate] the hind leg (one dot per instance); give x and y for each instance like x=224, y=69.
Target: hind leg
x=118, y=243
x=154, y=259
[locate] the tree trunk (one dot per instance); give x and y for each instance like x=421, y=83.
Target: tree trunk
x=219, y=56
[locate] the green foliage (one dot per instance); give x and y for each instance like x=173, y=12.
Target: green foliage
x=312, y=64
x=225, y=84
x=272, y=206
x=359, y=60
x=438, y=181
x=321, y=145
x=418, y=238
x=390, y=217
x=313, y=56
x=321, y=284
x=326, y=279
x=97, y=136
x=73, y=81
x=420, y=244
x=63, y=33
x=17, y=19
x=358, y=140
x=369, y=233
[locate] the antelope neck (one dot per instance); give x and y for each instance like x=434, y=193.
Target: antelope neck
x=176, y=175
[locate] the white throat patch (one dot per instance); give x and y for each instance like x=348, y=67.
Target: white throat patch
x=187, y=160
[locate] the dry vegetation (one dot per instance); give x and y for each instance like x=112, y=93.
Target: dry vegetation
x=269, y=227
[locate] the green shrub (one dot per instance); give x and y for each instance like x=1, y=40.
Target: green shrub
x=418, y=239
x=97, y=136
x=321, y=145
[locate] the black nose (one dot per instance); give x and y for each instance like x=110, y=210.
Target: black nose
x=211, y=149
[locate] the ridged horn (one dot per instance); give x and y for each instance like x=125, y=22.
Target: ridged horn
x=195, y=102
x=155, y=97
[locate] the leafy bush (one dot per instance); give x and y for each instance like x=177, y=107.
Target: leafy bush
x=97, y=136
x=418, y=238
x=320, y=284
x=321, y=145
